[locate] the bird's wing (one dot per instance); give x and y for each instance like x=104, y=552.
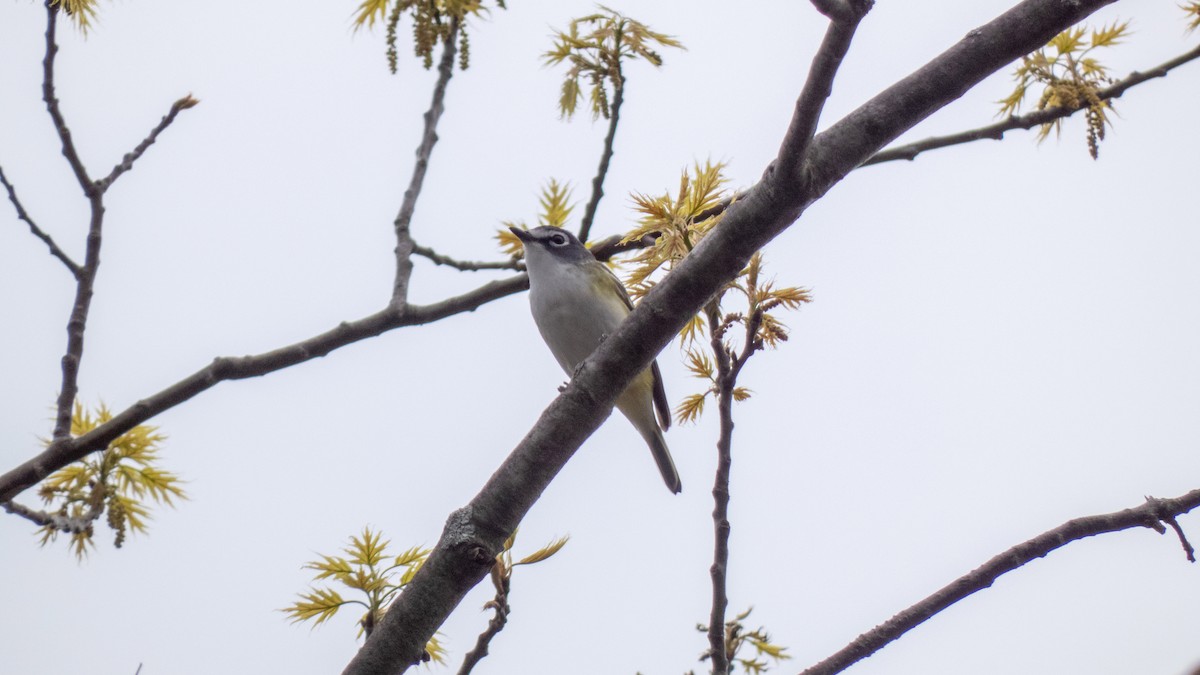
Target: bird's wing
x=661, y=405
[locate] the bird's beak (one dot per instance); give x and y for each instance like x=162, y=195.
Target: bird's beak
x=520, y=234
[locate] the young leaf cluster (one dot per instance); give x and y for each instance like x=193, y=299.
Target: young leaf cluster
x=373, y=574
x=760, y=328
x=432, y=23
x=503, y=568
x=594, y=46
x=737, y=638
x=1192, y=10
x=1071, y=78
x=82, y=12
x=556, y=208
x=117, y=481
x=678, y=223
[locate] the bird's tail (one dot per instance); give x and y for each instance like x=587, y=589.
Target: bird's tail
x=662, y=457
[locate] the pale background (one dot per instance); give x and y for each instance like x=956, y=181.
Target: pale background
x=1003, y=338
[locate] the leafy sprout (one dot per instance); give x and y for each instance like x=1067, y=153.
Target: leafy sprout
x=1192, y=10
x=373, y=574
x=556, y=208
x=737, y=638
x=118, y=481
x=594, y=46
x=1071, y=78
x=82, y=12
x=678, y=222
x=432, y=22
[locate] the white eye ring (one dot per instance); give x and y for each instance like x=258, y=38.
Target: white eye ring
x=557, y=240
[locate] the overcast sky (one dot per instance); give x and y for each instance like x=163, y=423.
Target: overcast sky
x=1003, y=337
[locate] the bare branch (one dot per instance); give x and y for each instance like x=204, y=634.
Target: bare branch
x=475, y=533
x=404, y=242
x=37, y=231
x=1028, y=121
x=500, y=610
x=466, y=266
x=845, y=16
x=60, y=124
x=719, y=571
x=56, y=521
x=614, y=116
x=64, y=449
x=1152, y=514
x=128, y=160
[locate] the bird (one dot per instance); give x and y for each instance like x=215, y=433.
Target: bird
x=576, y=302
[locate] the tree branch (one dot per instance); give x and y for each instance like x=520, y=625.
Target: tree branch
x=719, y=571
x=57, y=521
x=127, y=161
x=614, y=116
x=500, y=609
x=1152, y=514
x=466, y=266
x=60, y=124
x=475, y=533
x=37, y=231
x=62, y=451
x=1028, y=121
x=845, y=16
x=404, y=242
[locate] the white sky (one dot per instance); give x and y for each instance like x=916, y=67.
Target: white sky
x=1003, y=338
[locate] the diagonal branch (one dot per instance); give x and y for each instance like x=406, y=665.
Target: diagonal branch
x=60, y=124
x=614, y=116
x=474, y=534
x=1028, y=121
x=127, y=161
x=1152, y=514
x=64, y=450
x=37, y=231
x=845, y=16
x=403, y=222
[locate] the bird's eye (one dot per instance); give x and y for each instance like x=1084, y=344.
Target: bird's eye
x=558, y=240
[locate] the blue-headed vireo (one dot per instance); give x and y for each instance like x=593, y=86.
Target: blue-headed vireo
x=576, y=303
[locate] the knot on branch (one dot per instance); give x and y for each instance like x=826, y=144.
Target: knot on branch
x=1164, y=511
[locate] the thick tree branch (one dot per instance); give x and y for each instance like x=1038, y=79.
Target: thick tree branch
x=845, y=16
x=465, y=265
x=475, y=534
x=37, y=231
x=996, y=131
x=127, y=161
x=60, y=124
x=1153, y=514
x=403, y=222
x=614, y=117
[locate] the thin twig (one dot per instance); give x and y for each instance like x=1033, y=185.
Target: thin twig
x=996, y=131
x=403, y=222
x=57, y=521
x=128, y=160
x=500, y=611
x=614, y=116
x=85, y=279
x=465, y=265
x=1151, y=514
x=37, y=231
x=845, y=16
x=60, y=125
x=719, y=571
